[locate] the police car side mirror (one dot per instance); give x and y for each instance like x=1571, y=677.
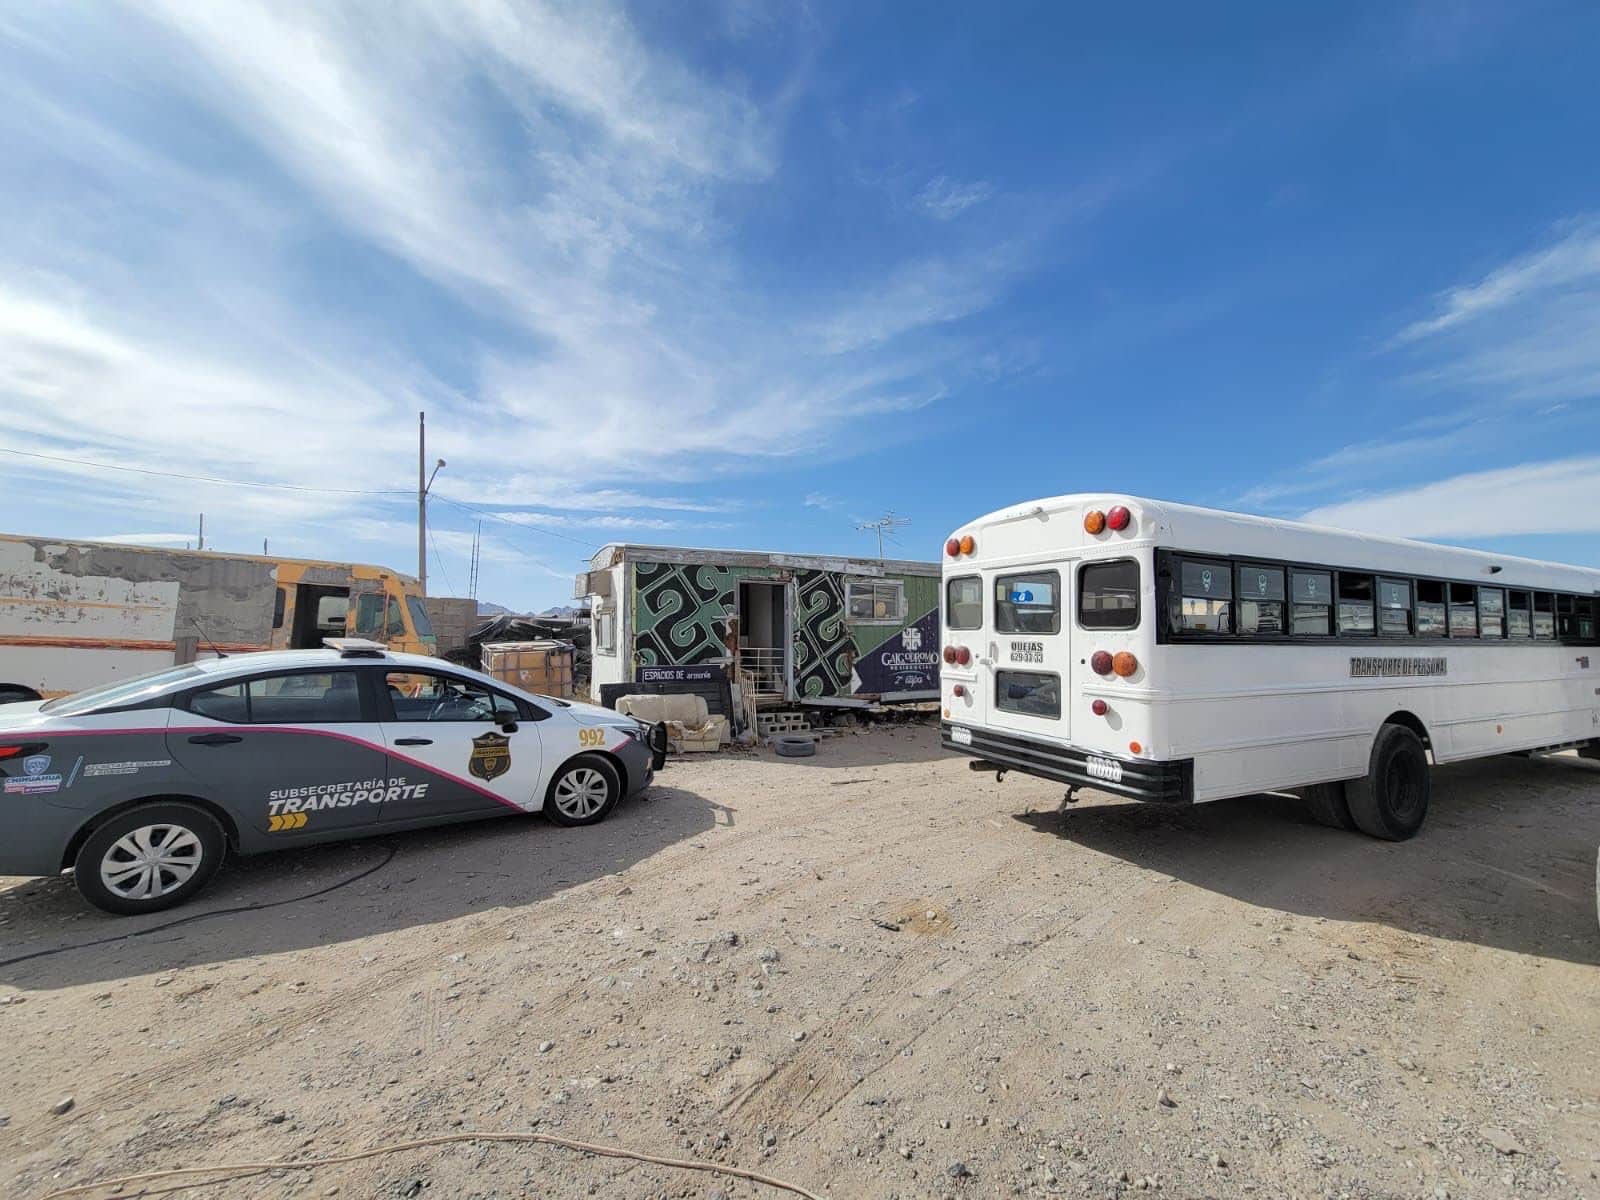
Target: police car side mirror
x=507, y=725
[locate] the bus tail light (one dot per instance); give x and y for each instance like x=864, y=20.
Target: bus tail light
x=963, y=655
x=1124, y=664
x=1135, y=747
x=958, y=691
x=953, y=547
x=968, y=544
x=950, y=655
x=1094, y=521
x=1100, y=662
x=1118, y=519
x=1099, y=708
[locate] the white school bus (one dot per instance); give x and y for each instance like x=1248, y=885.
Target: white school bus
x=1177, y=654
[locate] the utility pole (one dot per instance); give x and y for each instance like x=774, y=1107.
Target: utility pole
x=884, y=526
x=424, y=482
x=202, y=544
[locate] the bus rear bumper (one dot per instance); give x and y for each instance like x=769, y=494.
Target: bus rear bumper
x=1156, y=782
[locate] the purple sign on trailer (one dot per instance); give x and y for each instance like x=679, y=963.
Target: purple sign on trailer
x=907, y=662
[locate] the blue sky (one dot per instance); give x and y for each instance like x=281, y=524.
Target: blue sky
x=739, y=274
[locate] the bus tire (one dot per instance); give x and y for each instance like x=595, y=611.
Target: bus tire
x=1391, y=800
x=11, y=693
x=1327, y=806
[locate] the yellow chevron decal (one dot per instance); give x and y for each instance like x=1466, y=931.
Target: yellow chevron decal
x=286, y=821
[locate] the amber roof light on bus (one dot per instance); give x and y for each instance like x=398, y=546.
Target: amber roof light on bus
x=968, y=544
x=1094, y=521
x=1119, y=518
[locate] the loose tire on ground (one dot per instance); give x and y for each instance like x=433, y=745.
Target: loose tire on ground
x=1391, y=800
x=148, y=858
x=583, y=792
x=1327, y=806
x=794, y=746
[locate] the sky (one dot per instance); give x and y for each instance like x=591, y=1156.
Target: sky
x=738, y=274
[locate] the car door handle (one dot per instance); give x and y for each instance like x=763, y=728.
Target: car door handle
x=413, y=741
x=214, y=739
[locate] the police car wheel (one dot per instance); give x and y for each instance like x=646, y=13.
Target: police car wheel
x=583, y=791
x=149, y=858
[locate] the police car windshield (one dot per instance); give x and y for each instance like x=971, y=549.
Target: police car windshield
x=124, y=691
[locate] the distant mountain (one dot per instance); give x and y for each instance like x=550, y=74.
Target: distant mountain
x=485, y=609
x=569, y=613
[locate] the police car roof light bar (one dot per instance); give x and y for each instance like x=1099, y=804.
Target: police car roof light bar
x=356, y=647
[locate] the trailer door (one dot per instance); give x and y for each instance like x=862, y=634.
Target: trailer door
x=1027, y=663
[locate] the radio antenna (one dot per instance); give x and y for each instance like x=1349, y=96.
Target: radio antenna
x=884, y=527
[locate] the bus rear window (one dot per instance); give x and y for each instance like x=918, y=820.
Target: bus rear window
x=1108, y=595
x=963, y=603
x=1032, y=693
x=1028, y=603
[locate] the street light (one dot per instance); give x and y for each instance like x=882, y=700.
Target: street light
x=423, y=487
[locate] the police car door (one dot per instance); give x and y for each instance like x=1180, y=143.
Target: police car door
x=456, y=747
x=291, y=752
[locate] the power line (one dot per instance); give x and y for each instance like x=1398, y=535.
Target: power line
x=523, y=525
x=285, y=487
x=439, y=558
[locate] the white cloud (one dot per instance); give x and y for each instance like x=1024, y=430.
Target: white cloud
x=821, y=500
x=1548, y=497
x=944, y=198
x=148, y=539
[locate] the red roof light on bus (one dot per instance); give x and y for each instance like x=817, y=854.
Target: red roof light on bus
x=1119, y=518
x=953, y=547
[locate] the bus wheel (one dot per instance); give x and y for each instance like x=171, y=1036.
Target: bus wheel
x=1327, y=806
x=1391, y=801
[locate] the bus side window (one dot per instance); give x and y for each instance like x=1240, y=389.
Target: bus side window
x=1566, y=619
x=1260, y=591
x=1204, y=600
x=1544, y=615
x=1355, y=604
x=1491, y=612
x=1394, y=607
x=1312, y=593
x=1586, y=618
x=1518, y=622
x=396, y=624
x=1431, y=614
x=369, y=615
x=1463, y=610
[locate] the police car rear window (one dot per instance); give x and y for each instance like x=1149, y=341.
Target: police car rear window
x=121, y=694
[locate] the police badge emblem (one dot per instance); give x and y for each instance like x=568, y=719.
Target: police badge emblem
x=491, y=756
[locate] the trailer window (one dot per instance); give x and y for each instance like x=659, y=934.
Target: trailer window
x=1260, y=591
x=1204, y=600
x=1028, y=603
x=963, y=603
x=1394, y=607
x=1030, y=692
x=1108, y=595
x=1311, y=596
x=1492, y=612
x=876, y=601
x=1518, y=623
x=1544, y=615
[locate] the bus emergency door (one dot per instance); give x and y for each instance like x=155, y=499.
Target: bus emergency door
x=1028, y=657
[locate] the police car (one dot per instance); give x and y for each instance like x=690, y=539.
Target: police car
x=141, y=786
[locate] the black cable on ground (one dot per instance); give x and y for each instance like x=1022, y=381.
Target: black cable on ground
x=216, y=912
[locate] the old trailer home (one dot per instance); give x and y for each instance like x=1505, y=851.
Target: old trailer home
x=798, y=628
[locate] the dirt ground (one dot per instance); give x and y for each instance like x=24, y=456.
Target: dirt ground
x=873, y=973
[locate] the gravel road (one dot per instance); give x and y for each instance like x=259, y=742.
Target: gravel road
x=871, y=972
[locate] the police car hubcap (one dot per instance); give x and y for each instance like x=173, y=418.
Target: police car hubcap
x=151, y=861
x=581, y=793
